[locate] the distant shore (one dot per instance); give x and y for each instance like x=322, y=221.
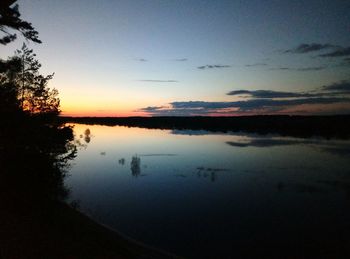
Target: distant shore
x=332, y=126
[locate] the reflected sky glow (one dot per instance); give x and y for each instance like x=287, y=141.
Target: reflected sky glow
x=170, y=189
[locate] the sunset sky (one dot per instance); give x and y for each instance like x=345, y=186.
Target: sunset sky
x=193, y=57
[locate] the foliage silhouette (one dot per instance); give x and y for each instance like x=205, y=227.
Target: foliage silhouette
x=35, y=96
x=33, y=158
x=34, y=149
x=20, y=79
x=10, y=19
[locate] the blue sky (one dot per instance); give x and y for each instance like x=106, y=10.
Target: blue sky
x=116, y=58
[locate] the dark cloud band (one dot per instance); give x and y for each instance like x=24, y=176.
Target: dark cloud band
x=306, y=48
x=340, y=52
x=259, y=101
x=212, y=66
x=269, y=94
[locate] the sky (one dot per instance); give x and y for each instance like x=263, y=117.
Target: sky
x=193, y=57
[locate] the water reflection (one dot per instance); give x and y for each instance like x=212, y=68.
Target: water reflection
x=135, y=166
x=34, y=160
x=208, y=171
x=205, y=174
x=270, y=142
x=335, y=147
x=87, y=138
x=158, y=154
x=121, y=161
x=209, y=195
x=87, y=134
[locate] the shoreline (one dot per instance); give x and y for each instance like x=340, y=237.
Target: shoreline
x=128, y=241
x=334, y=126
x=64, y=232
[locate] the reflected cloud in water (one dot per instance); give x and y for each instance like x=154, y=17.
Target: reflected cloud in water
x=334, y=147
x=269, y=142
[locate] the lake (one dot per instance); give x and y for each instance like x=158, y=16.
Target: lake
x=204, y=194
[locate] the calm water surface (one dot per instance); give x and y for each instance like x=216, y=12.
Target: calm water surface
x=202, y=194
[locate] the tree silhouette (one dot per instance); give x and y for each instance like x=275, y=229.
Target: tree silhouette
x=32, y=94
x=10, y=19
x=8, y=90
x=35, y=97
x=21, y=78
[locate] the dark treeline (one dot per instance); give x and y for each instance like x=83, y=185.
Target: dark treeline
x=35, y=149
x=34, y=146
x=297, y=126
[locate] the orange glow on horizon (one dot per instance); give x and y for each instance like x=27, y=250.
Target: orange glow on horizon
x=87, y=113
x=130, y=111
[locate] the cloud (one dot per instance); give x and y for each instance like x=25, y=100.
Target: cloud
x=256, y=65
x=335, y=89
x=305, y=69
x=262, y=102
x=332, y=51
x=339, y=52
x=301, y=69
x=253, y=106
x=269, y=94
x=177, y=112
x=141, y=59
x=212, y=66
x=342, y=86
x=158, y=81
x=281, y=68
x=306, y=48
x=180, y=59
x=151, y=108
x=256, y=103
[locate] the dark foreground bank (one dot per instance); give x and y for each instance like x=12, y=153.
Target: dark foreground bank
x=62, y=232
x=297, y=126
x=35, y=222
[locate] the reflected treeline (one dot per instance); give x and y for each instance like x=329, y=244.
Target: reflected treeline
x=121, y=161
x=209, y=172
x=34, y=158
x=135, y=166
x=337, y=148
x=86, y=137
x=296, y=126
